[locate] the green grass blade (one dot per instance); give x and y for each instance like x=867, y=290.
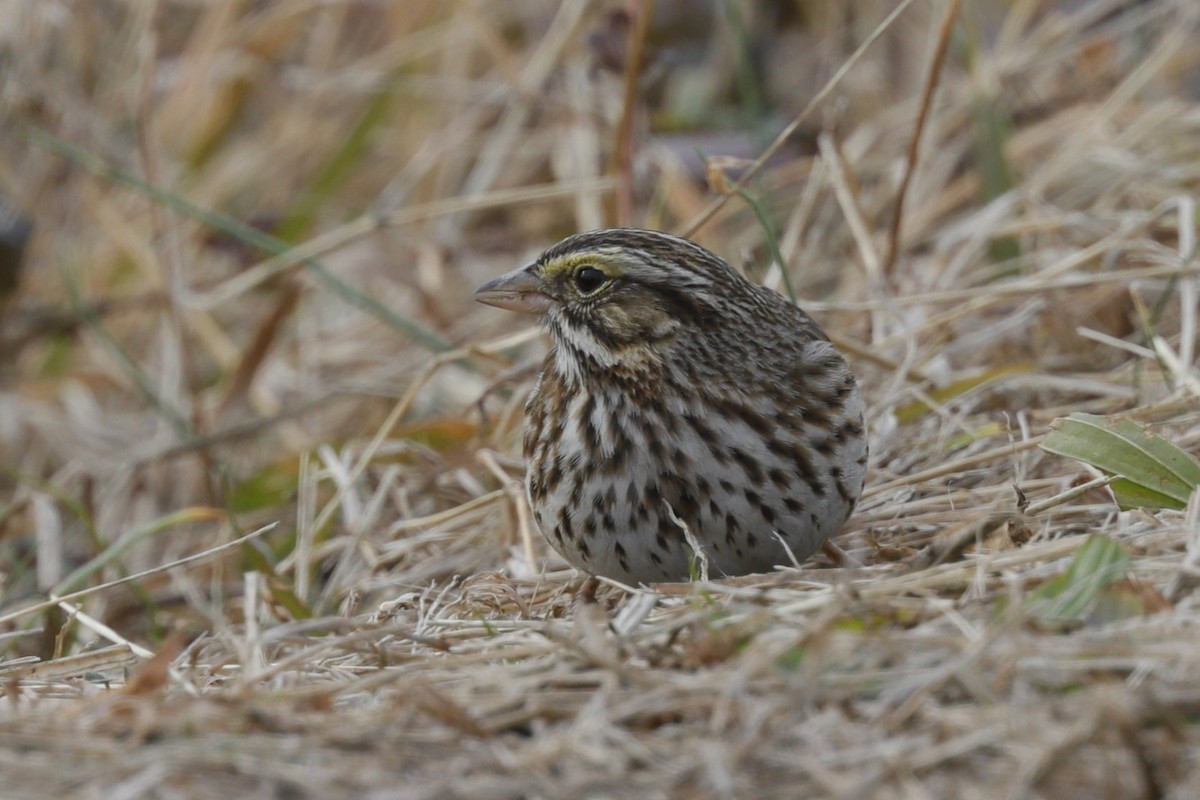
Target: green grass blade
x=764, y=219
x=1072, y=596
x=127, y=540
x=240, y=231
x=299, y=219
x=128, y=364
x=1155, y=472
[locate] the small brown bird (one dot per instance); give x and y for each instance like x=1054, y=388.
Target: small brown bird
x=679, y=394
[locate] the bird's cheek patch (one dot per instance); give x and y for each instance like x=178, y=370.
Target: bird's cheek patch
x=613, y=319
x=652, y=322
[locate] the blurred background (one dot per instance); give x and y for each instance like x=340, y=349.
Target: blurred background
x=239, y=240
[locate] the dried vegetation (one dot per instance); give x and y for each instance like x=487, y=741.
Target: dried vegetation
x=261, y=530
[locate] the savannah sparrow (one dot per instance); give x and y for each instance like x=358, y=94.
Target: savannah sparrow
x=679, y=394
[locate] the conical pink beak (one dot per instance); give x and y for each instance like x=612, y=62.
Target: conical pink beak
x=520, y=290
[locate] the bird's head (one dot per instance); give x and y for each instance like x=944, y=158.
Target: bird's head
x=618, y=296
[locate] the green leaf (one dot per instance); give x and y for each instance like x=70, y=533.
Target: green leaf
x=281, y=592
x=245, y=233
x=118, y=548
x=764, y=219
x=1131, y=495
x=354, y=149
x=1152, y=472
x=1074, y=595
x=269, y=488
x=913, y=411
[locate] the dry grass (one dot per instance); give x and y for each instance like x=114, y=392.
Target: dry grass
x=260, y=522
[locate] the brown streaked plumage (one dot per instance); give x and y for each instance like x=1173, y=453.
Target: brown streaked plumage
x=674, y=381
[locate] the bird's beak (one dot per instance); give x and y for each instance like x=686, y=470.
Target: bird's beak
x=519, y=290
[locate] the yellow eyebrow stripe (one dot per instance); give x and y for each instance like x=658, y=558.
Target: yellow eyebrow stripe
x=568, y=263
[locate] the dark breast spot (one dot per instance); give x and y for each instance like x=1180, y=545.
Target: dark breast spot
x=825, y=446
x=804, y=466
x=756, y=422
x=748, y=463
x=685, y=505
x=703, y=430
x=752, y=497
x=537, y=488
x=850, y=429
x=847, y=496
x=591, y=437
x=779, y=479
x=618, y=462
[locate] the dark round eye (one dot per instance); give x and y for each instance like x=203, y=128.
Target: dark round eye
x=589, y=279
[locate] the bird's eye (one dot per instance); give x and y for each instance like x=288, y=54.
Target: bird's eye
x=589, y=279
